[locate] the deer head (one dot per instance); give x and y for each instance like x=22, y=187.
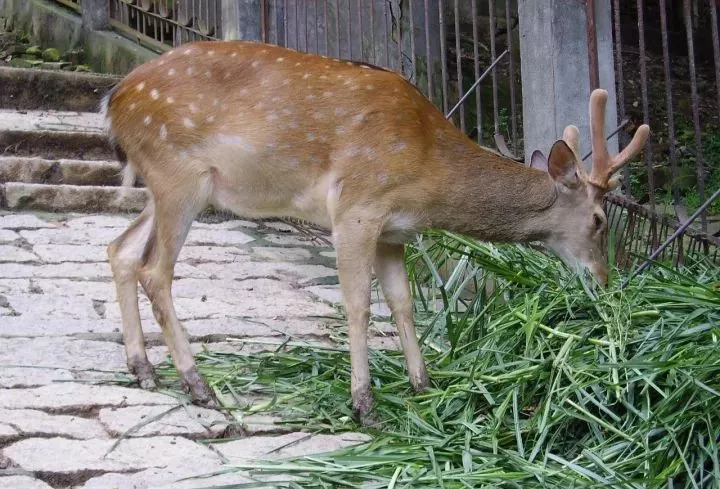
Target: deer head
x=581, y=237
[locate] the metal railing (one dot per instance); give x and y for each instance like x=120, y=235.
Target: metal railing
x=163, y=24
x=441, y=46
x=667, y=60
x=73, y=4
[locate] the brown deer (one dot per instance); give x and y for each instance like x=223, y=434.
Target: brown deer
x=264, y=131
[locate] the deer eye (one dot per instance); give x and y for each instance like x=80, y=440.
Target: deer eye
x=598, y=220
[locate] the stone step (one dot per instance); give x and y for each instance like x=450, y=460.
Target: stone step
x=70, y=198
x=54, y=134
x=30, y=89
x=69, y=172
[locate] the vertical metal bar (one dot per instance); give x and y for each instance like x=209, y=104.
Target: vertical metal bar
x=592, y=44
x=413, y=49
x=669, y=102
x=317, y=19
x=428, y=53
x=458, y=60
x=362, y=32
x=476, y=59
x=349, y=30
x=326, y=26
x=443, y=56
x=386, y=26
x=646, y=112
x=263, y=20
x=285, y=22
x=337, y=26
x=716, y=46
x=372, y=32
x=513, y=106
x=297, y=24
x=305, y=25
x=699, y=166
x=620, y=89
x=399, y=37
x=496, y=110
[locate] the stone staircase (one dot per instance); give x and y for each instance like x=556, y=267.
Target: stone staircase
x=54, y=152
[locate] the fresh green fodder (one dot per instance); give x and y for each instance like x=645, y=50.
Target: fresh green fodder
x=538, y=379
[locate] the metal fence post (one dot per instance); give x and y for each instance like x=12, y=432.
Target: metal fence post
x=95, y=14
x=555, y=66
x=241, y=20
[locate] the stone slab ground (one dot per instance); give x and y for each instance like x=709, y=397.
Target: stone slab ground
x=60, y=341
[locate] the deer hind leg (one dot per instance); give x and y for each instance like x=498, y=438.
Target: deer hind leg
x=175, y=211
x=392, y=274
x=125, y=255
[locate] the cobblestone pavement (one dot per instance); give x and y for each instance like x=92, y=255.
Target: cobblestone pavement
x=60, y=338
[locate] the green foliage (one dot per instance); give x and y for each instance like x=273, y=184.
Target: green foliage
x=538, y=379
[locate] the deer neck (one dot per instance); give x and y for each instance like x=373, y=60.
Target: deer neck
x=494, y=199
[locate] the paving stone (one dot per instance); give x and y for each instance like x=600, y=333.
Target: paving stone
x=57, y=253
x=288, y=239
x=280, y=226
x=7, y=432
x=217, y=237
x=66, y=353
x=44, y=307
x=22, y=482
x=99, y=220
x=281, y=270
x=217, y=254
x=231, y=224
x=63, y=456
x=79, y=397
x=14, y=286
x=282, y=254
x=91, y=235
x=84, y=271
x=8, y=236
x=170, y=478
x=328, y=254
x=32, y=423
x=328, y=293
x=23, y=221
x=100, y=290
x=13, y=377
x=9, y=253
x=189, y=421
x=28, y=326
x=283, y=446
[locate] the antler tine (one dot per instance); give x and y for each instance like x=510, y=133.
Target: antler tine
x=571, y=135
x=636, y=146
x=601, y=161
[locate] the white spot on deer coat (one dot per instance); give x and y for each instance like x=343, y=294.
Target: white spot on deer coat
x=171, y=72
x=148, y=120
x=236, y=141
x=140, y=86
x=154, y=94
x=163, y=132
x=188, y=123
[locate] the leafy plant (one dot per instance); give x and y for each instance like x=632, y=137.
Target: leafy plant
x=539, y=379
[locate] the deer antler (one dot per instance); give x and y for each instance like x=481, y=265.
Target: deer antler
x=604, y=165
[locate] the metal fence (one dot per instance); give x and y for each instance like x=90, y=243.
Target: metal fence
x=668, y=75
x=73, y=4
x=163, y=24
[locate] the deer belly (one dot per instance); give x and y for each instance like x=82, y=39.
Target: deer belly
x=257, y=189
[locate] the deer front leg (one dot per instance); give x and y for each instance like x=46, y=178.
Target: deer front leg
x=355, y=242
x=392, y=274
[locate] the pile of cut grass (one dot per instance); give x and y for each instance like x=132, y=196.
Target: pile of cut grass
x=537, y=380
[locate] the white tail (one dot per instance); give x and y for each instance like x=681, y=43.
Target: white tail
x=266, y=131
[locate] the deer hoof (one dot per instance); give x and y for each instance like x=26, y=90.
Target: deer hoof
x=202, y=395
x=144, y=373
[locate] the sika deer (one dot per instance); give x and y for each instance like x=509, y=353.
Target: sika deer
x=265, y=131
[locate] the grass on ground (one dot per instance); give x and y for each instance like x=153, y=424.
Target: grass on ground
x=538, y=380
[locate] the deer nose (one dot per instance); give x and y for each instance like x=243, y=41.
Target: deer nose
x=601, y=274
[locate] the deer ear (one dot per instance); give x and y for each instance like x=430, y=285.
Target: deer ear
x=538, y=161
x=562, y=166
